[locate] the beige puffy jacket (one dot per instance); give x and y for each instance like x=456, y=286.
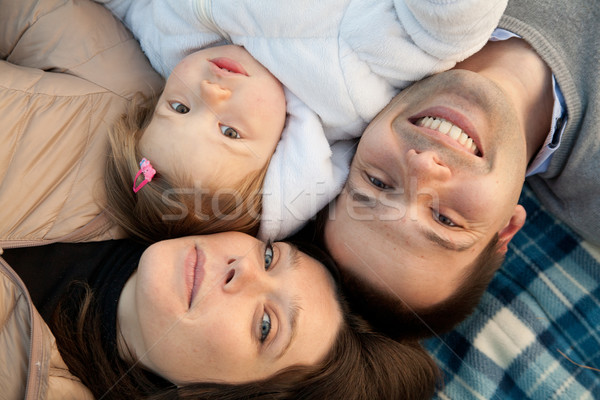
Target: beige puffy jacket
x=30, y=364
x=68, y=68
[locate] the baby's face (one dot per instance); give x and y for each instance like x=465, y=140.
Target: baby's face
x=219, y=118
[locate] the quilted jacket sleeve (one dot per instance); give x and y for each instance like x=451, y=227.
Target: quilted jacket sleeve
x=68, y=70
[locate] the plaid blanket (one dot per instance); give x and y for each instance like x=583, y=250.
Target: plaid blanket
x=536, y=331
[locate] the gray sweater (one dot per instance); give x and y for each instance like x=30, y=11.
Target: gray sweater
x=566, y=34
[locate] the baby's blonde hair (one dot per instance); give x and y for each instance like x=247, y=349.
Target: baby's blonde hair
x=168, y=208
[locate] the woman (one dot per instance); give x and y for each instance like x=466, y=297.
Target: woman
x=243, y=317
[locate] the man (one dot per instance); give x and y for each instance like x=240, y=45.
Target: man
x=431, y=201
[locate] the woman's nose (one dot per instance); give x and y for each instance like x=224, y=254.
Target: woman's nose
x=242, y=273
x=213, y=92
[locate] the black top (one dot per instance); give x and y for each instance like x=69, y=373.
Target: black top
x=48, y=270
x=105, y=266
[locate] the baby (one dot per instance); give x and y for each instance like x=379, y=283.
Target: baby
x=341, y=62
x=205, y=147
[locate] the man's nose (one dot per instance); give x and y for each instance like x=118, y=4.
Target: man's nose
x=426, y=167
x=214, y=93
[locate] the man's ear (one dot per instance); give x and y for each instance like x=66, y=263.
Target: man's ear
x=515, y=223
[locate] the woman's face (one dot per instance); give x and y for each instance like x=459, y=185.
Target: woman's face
x=226, y=308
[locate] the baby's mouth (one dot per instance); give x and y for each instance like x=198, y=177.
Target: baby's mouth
x=449, y=129
x=229, y=65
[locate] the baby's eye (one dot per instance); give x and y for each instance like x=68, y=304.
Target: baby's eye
x=442, y=219
x=265, y=327
x=268, y=255
x=179, y=107
x=229, y=132
x=377, y=183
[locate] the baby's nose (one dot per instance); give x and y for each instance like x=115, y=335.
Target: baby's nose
x=213, y=92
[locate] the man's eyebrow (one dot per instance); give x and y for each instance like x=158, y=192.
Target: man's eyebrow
x=431, y=235
x=360, y=197
x=294, y=307
x=434, y=237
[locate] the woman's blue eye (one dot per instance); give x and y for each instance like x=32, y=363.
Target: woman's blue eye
x=377, y=183
x=265, y=327
x=179, y=107
x=229, y=132
x=265, y=323
x=268, y=255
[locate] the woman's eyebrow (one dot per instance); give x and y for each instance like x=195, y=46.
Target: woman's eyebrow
x=293, y=256
x=293, y=259
x=293, y=312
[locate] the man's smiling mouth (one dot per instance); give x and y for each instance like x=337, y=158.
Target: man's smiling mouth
x=449, y=129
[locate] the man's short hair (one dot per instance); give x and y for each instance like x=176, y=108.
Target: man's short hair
x=389, y=314
x=386, y=311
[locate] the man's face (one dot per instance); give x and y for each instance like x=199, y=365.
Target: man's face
x=436, y=174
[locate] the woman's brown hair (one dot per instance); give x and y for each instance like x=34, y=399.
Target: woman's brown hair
x=170, y=207
x=362, y=364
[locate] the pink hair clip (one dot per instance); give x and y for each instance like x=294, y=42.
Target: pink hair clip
x=147, y=170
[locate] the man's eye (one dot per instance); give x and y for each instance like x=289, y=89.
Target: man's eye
x=377, y=183
x=229, y=132
x=265, y=327
x=442, y=219
x=179, y=107
x=268, y=255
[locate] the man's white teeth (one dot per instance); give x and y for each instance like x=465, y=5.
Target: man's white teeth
x=449, y=129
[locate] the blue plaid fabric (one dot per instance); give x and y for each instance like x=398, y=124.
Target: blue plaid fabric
x=536, y=332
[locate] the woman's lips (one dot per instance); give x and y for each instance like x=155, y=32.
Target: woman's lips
x=194, y=270
x=229, y=65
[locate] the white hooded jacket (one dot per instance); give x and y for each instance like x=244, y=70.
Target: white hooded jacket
x=341, y=62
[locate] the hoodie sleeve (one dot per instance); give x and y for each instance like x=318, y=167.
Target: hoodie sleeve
x=450, y=29
x=118, y=7
x=167, y=30
x=304, y=174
